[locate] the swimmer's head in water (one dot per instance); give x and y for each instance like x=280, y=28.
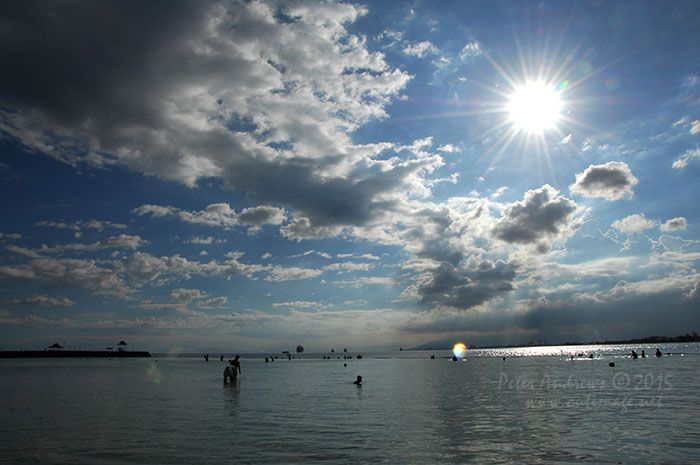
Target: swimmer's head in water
x=460, y=350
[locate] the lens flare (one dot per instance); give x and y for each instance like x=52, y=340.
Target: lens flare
x=460, y=350
x=154, y=374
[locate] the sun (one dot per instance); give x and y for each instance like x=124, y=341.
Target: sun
x=534, y=107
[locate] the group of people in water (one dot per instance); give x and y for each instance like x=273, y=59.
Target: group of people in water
x=644, y=355
x=233, y=369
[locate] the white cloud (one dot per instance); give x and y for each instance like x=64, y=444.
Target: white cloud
x=681, y=121
x=634, y=223
x=293, y=273
x=611, y=181
x=448, y=148
x=695, y=127
x=471, y=49
x=687, y=157
x=302, y=304
x=674, y=224
x=205, y=240
x=419, y=49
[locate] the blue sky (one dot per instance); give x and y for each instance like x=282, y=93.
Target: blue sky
x=249, y=176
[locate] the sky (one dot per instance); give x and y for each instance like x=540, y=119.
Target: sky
x=247, y=176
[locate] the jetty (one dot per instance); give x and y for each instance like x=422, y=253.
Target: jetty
x=73, y=353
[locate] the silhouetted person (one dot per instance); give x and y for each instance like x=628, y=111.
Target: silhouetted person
x=229, y=373
x=611, y=364
x=634, y=355
x=206, y=357
x=221, y=359
x=658, y=352
x=644, y=355
x=236, y=365
x=358, y=381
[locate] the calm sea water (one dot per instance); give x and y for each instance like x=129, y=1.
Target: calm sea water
x=537, y=406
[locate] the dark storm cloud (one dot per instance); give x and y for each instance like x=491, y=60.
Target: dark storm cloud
x=611, y=181
x=92, y=61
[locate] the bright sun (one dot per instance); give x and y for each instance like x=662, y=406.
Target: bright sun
x=534, y=107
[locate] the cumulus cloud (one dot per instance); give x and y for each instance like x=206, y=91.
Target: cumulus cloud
x=634, y=223
x=543, y=215
x=674, y=224
x=460, y=288
x=611, y=181
x=260, y=95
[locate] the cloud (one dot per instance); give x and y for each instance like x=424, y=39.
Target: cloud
x=205, y=240
x=224, y=90
x=674, y=224
x=40, y=301
x=89, y=224
x=543, y=215
x=611, y=181
x=122, y=241
x=279, y=273
x=301, y=305
x=217, y=214
x=687, y=157
x=419, y=49
x=64, y=273
x=458, y=288
x=634, y=223
x=695, y=127
x=301, y=228
x=13, y=237
x=258, y=216
x=472, y=49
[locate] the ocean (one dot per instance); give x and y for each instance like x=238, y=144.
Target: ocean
x=536, y=406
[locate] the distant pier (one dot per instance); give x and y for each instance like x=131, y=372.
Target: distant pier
x=72, y=353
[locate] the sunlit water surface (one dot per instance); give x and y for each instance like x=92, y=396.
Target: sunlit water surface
x=536, y=406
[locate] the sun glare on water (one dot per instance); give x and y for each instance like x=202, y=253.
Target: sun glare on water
x=534, y=107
